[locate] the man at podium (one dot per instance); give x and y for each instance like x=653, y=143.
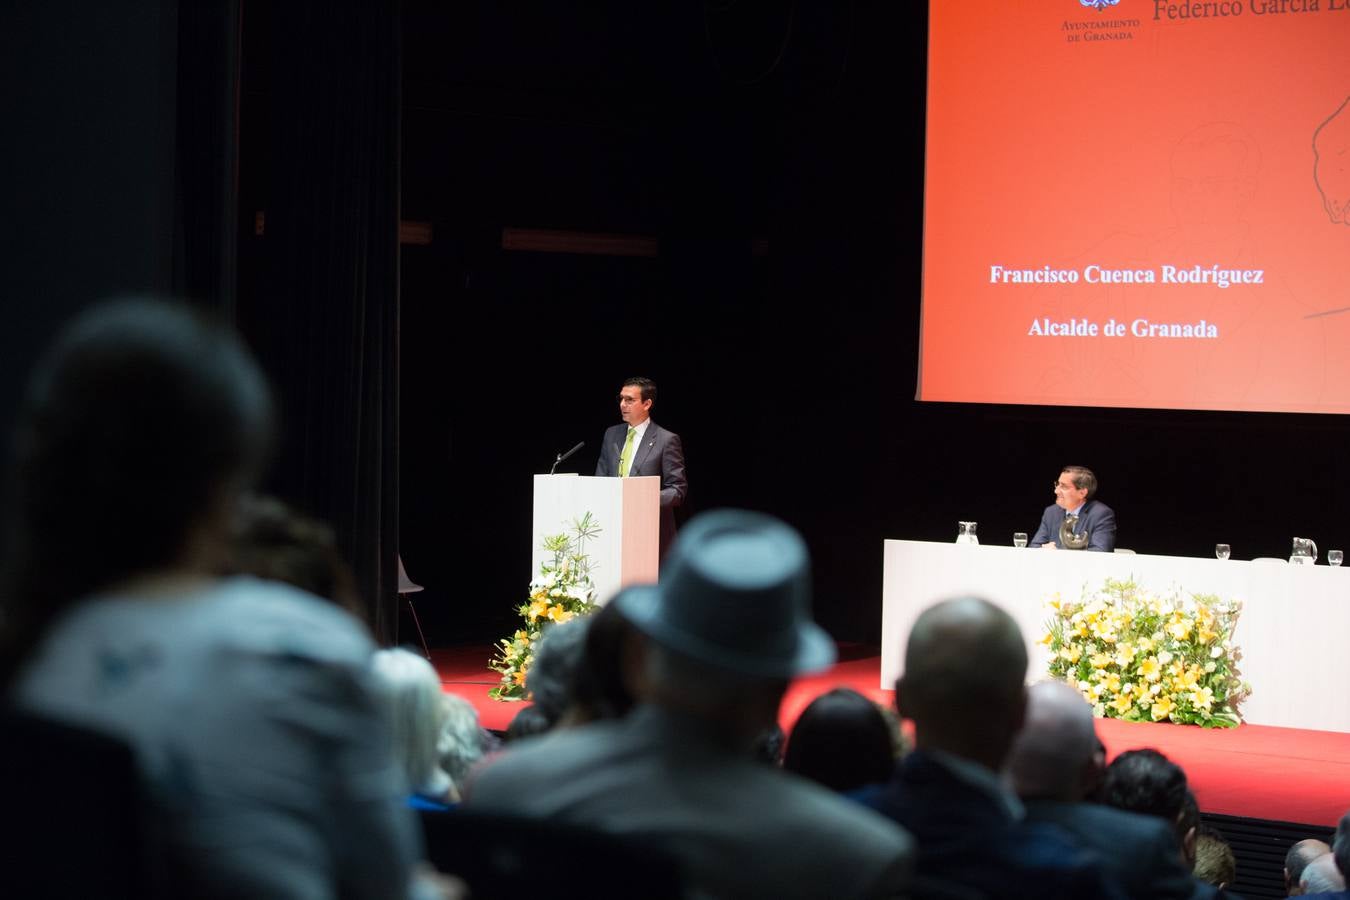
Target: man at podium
x=1076, y=520
x=639, y=446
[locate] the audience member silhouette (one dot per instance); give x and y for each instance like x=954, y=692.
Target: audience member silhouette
x=464, y=741
x=598, y=688
x=558, y=656
x=710, y=653
x=1340, y=856
x=412, y=693
x=1321, y=877
x=275, y=542
x=1215, y=863
x=842, y=741
x=963, y=687
x=1147, y=782
x=1053, y=764
x=1296, y=860
x=528, y=722
x=249, y=704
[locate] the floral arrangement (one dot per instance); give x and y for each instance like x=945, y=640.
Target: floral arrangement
x=562, y=591
x=1143, y=657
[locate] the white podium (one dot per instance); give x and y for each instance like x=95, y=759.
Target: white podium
x=628, y=512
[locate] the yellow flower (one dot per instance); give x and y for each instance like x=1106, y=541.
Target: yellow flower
x=1047, y=638
x=1071, y=653
x=558, y=614
x=1204, y=635
x=538, y=608
x=519, y=678
x=1100, y=660
x=1161, y=708
x=1144, y=645
x=1202, y=698
x=1179, y=628
x=1113, y=682
x=1124, y=654
x=1122, y=703
x=1150, y=669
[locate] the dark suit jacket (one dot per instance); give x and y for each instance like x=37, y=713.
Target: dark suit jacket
x=1096, y=518
x=970, y=847
x=1139, y=852
x=660, y=453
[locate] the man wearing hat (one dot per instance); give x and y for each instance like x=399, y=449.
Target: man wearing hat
x=717, y=642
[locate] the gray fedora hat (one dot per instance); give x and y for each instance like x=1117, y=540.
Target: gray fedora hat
x=736, y=594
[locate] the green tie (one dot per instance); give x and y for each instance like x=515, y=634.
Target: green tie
x=626, y=458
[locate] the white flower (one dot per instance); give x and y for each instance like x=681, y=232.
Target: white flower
x=1164, y=657
x=1210, y=667
x=1215, y=652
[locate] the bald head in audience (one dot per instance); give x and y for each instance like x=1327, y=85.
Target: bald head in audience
x=1297, y=859
x=1052, y=757
x=1321, y=876
x=964, y=680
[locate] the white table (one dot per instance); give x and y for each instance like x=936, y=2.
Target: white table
x=1294, y=629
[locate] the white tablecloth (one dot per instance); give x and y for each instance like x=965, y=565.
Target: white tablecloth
x=1294, y=630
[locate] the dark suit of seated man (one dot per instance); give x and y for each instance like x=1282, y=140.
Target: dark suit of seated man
x=1093, y=520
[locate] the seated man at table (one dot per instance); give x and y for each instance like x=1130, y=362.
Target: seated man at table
x=1076, y=520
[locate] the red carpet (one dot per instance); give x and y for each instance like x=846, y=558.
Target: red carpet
x=1253, y=771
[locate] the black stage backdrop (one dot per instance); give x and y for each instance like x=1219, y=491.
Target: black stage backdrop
x=787, y=365
x=319, y=271
x=125, y=165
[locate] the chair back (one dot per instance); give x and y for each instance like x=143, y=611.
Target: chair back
x=505, y=857
x=79, y=820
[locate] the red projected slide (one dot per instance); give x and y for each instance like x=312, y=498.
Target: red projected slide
x=1140, y=203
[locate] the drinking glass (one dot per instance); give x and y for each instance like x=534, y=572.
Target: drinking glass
x=1335, y=557
x=1222, y=551
x=1019, y=538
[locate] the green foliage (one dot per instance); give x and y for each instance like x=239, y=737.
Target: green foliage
x=562, y=591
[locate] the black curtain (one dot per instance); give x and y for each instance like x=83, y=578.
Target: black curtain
x=319, y=286
x=206, y=194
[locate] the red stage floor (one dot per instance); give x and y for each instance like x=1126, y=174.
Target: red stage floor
x=1253, y=771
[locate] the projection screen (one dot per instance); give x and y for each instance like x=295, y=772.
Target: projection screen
x=1138, y=203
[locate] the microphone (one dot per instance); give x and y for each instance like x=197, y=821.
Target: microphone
x=562, y=456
